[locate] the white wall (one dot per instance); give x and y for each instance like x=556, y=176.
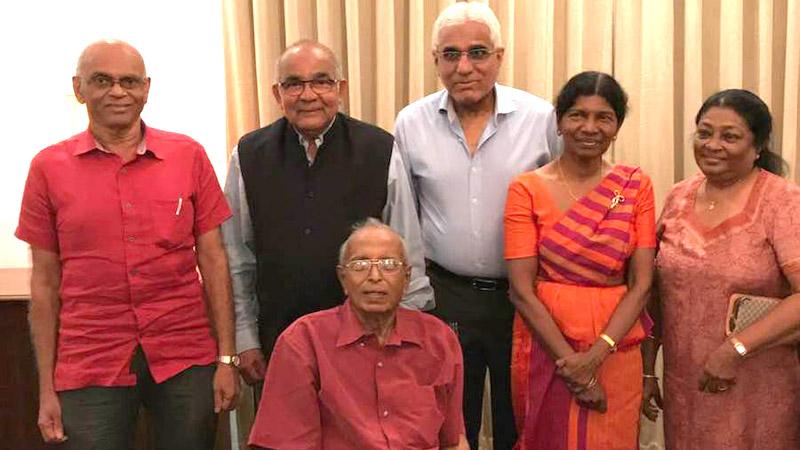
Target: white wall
x=40, y=40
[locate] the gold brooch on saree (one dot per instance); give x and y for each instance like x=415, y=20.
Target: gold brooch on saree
x=618, y=198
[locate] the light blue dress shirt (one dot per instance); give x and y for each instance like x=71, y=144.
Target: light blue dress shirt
x=237, y=232
x=461, y=197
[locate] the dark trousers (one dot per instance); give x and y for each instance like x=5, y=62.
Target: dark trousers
x=482, y=318
x=180, y=411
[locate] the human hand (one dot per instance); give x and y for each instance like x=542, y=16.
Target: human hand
x=577, y=368
x=252, y=365
x=593, y=397
x=719, y=372
x=50, y=424
x=651, y=398
x=226, y=387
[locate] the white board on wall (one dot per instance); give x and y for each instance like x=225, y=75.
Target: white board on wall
x=40, y=41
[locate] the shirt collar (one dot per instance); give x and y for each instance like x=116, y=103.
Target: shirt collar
x=504, y=103
x=318, y=140
x=351, y=330
x=87, y=142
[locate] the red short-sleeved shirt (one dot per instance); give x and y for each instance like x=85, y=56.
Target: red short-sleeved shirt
x=125, y=234
x=329, y=385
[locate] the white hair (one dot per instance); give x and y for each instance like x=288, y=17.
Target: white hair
x=370, y=222
x=462, y=12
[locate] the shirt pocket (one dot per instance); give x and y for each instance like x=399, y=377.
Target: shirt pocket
x=173, y=221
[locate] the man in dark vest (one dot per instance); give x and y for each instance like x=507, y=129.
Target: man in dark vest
x=296, y=187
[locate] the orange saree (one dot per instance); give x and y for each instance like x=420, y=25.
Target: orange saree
x=582, y=257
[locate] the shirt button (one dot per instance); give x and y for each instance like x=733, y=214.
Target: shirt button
x=131, y=238
x=128, y=205
x=474, y=201
x=385, y=413
x=307, y=231
x=361, y=344
x=380, y=363
x=124, y=170
x=310, y=194
x=134, y=272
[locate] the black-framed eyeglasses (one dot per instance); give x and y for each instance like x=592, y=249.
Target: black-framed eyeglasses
x=295, y=87
x=385, y=265
x=129, y=83
x=476, y=54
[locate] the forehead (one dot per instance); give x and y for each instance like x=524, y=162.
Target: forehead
x=306, y=62
x=374, y=243
x=591, y=103
x=113, y=59
x=719, y=116
x=465, y=35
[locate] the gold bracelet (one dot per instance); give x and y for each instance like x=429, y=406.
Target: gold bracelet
x=592, y=383
x=647, y=375
x=611, y=342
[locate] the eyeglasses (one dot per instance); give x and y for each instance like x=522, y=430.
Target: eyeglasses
x=295, y=87
x=105, y=82
x=385, y=265
x=476, y=54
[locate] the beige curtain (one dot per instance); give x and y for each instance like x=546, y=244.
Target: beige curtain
x=668, y=54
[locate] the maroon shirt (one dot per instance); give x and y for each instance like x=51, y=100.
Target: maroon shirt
x=125, y=234
x=329, y=385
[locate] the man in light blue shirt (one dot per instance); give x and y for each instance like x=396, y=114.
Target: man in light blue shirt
x=461, y=147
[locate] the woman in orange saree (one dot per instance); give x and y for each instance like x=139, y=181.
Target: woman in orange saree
x=580, y=240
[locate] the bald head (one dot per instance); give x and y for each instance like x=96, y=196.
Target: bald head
x=308, y=49
x=111, y=81
x=102, y=48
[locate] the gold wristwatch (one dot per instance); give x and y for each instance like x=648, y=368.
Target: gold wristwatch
x=231, y=360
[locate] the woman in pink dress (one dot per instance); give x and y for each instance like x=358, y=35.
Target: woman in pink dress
x=734, y=228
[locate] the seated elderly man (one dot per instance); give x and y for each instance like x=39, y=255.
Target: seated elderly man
x=367, y=374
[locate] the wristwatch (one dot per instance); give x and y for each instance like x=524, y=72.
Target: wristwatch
x=231, y=360
x=738, y=346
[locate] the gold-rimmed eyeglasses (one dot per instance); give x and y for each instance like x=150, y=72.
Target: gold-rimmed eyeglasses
x=385, y=265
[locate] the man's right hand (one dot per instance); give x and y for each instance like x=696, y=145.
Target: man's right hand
x=50, y=424
x=252, y=366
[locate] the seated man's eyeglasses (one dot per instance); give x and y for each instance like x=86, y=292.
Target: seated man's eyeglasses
x=475, y=54
x=385, y=265
x=295, y=86
x=129, y=83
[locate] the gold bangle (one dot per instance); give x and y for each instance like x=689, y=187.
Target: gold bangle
x=592, y=383
x=611, y=342
x=647, y=375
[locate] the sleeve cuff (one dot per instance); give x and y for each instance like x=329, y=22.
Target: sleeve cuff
x=247, y=339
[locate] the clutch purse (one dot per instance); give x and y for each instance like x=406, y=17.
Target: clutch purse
x=745, y=309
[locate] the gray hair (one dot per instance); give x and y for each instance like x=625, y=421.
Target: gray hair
x=370, y=222
x=337, y=66
x=462, y=12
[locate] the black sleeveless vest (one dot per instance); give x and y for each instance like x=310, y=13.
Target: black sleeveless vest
x=301, y=214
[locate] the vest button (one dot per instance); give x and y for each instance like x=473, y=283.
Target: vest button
x=310, y=194
x=307, y=231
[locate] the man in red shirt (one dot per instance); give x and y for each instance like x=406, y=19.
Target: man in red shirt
x=365, y=375
x=119, y=218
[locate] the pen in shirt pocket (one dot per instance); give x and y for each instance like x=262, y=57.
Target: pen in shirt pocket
x=180, y=205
